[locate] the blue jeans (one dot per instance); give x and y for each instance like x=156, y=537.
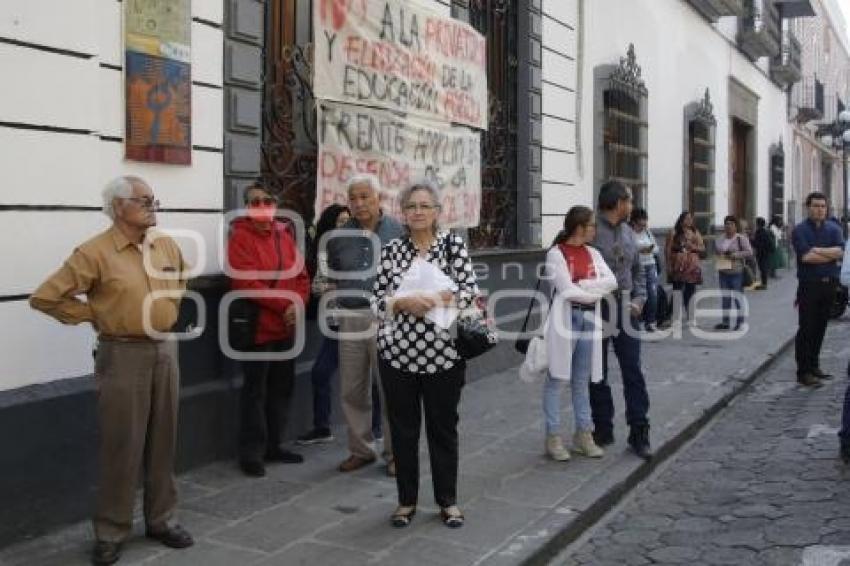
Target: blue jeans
x=687, y=290
x=580, y=368
x=327, y=361
x=731, y=282
x=627, y=350
x=650, y=308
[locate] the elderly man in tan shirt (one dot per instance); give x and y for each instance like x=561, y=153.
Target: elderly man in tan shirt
x=136, y=371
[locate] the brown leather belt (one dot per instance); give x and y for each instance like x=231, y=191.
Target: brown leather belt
x=128, y=339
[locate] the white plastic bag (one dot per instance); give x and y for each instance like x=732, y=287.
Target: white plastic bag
x=536, y=362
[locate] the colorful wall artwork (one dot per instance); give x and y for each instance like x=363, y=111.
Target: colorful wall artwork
x=158, y=81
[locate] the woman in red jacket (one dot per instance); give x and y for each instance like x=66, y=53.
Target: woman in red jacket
x=260, y=243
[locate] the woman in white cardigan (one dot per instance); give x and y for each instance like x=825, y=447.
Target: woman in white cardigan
x=579, y=278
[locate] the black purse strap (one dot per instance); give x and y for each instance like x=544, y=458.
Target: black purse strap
x=276, y=234
x=530, y=308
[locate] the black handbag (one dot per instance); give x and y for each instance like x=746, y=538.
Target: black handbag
x=243, y=316
x=521, y=344
x=474, y=336
x=244, y=313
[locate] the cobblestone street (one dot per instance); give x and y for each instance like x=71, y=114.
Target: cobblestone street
x=762, y=485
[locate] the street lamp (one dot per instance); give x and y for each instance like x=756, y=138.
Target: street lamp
x=844, y=122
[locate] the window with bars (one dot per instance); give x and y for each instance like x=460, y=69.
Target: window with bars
x=622, y=130
x=289, y=144
x=497, y=21
x=699, y=162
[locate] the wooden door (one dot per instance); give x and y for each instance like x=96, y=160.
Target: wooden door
x=740, y=174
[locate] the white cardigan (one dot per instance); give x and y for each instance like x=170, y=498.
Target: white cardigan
x=559, y=324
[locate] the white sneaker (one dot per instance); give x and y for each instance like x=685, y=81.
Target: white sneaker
x=583, y=444
x=555, y=448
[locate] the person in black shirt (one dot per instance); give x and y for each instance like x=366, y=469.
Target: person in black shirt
x=764, y=246
x=819, y=246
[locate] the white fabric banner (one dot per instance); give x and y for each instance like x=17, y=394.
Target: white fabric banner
x=398, y=151
x=401, y=56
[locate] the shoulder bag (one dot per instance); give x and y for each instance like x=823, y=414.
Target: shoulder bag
x=244, y=313
x=474, y=336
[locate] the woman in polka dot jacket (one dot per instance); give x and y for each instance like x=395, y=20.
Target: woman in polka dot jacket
x=419, y=363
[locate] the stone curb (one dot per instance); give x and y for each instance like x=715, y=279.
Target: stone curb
x=590, y=516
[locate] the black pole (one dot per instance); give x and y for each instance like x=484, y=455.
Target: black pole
x=844, y=172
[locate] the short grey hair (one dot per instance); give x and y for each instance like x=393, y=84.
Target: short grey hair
x=427, y=186
x=119, y=187
x=364, y=179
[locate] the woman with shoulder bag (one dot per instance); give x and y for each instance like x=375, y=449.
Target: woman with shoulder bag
x=732, y=249
x=573, y=333
x=683, y=249
x=263, y=249
x=420, y=364
x=327, y=360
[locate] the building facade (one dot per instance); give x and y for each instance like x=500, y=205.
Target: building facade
x=62, y=132
x=816, y=103
x=685, y=101
x=688, y=102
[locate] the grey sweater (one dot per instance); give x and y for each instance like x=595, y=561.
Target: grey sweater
x=618, y=246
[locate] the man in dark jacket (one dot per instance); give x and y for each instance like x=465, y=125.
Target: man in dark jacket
x=615, y=240
x=352, y=257
x=819, y=246
x=764, y=246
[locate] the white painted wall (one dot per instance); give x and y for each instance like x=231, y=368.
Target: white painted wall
x=560, y=178
x=80, y=91
x=680, y=54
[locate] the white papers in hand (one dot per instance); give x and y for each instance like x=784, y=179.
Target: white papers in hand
x=425, y=277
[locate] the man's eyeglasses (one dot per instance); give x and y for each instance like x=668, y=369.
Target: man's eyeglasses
x=145, y=202
x=413, y=207
x=262, y=201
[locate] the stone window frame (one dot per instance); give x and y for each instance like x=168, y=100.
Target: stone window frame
x=700, y=131
x=626, y=81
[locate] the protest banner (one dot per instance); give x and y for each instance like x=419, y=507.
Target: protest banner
x=398, y=151
x=400, y=56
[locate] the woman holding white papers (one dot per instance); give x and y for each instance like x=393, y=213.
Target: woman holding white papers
x=579, y=278
x=423, y=278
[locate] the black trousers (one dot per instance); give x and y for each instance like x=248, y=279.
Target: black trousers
x=627, y=350
x=764, y=268
x=406, y=395
x=266, y=395
x=814, y=299
x=688, y=290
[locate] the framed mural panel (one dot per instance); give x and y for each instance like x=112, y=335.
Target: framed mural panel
x=158, y=81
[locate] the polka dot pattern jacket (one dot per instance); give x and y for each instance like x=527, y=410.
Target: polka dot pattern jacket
x=409, y=343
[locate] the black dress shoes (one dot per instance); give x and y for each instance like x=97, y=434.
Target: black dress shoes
x=603, y=436
x=283, y=456
x=172, y=537
x=639, y=441
x=809, y=380
x=105, y=552
x=253, y=468
x=821, y=375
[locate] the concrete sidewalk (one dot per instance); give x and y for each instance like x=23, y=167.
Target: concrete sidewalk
x=519, y=505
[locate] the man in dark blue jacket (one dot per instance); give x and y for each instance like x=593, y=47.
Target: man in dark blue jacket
x=819, y=246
